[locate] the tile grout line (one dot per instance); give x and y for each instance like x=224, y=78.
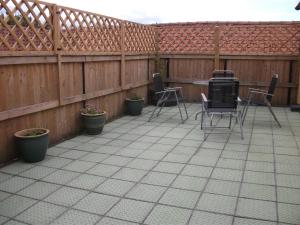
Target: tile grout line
x=243, y=171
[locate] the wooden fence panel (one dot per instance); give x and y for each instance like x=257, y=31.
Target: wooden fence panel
x=262, y=71
x=136, y=71
x=25, y=85
x=102, y=75
x=71, y=79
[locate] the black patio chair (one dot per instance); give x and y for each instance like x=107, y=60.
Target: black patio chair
x=166, y=94
x=223, y=99
x=223, y=74
x=267, y=98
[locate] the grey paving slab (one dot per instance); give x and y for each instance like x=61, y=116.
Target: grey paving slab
x=39, y=190
x=167, y=215
x=96, y=203
x=56, y=151
x=132, y=210
x=146, y=192
x=289, y=213
x=168, y=167
x=181, y=198
x=94, y=157
x=259, y=178
x=41, y=213
x=16, y=167
x=288, y=195
x=4, y=176
x=66, y=196
x=153, y=155
x=112, y=221
x=103, y=170
x=79, y=166
x=15, y=184
x=190, y=183
x=144, y=164
x=61, y=177
x=130, y=174
x=4, y=195
x=206, y=218
x=260, y=166
x=223, y=187
x=14, y=222
x=217, y=203
x=116, y=160
x=246, y=221
x=86, y=181
x=76, y=217
x=227, y=174
x=54, y=162
x=73, y=154
x=37, y=172
x=14, y=205
x=257, y=191
x=256, y=209
x=115, y=187
x=157, y=178
x=231, y=163
x=197, y=171
x=129, y=152
x=292, y=181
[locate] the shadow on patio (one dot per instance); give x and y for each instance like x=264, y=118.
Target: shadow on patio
x=162, y=172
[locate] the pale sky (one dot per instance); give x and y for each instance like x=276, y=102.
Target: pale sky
x=166, y=11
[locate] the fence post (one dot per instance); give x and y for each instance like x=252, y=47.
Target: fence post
x=56, y=28
x=122, y=54
x=298, y=90
x=217, y=47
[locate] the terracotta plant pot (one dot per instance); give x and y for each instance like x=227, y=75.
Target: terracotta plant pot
x=32, y=144
x=93, y=123
x=134, y=107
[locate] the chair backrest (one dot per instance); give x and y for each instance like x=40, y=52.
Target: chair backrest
x=223, y=93
x=222, y=73
x=272, y=86
x=158, y=83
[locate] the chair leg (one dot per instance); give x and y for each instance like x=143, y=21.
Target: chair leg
x=272, y=112
x=178, y=105
x=158, y=104
x=245, y=109
x=239, y=118
x=230, y=121
x=187, y=115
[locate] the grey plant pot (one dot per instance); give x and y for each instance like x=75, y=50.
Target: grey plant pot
x=134, y=107
x=93, y=123
x=32, y=148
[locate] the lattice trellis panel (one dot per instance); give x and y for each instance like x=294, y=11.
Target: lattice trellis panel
x=25, y=26
x=266, y=39
x=186, y=38
x=82, y=31
x=139, y=38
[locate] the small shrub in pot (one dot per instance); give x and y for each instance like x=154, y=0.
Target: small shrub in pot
x=93, y=120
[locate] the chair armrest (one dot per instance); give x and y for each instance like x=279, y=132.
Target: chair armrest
x=256, y=89
x=261, y=92
x=204, y=97
x=173, y=88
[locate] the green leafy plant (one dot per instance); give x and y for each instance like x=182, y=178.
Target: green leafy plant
x=91, y=110
x=33, y=132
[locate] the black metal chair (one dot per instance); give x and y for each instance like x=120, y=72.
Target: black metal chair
x=267, y=98
x=223, y=99
x=166, y=94
x=223, y=74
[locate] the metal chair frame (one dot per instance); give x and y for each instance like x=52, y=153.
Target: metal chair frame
x=267, y=98
x=166, y=93
x=233, y=111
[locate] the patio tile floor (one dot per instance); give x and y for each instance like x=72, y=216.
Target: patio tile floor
x=162, y=173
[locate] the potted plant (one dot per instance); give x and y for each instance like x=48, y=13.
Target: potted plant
x=32, y=143
x=93, y=119
x=134, y=104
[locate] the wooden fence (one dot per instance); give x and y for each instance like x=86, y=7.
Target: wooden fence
x=183, y=70
x=54, y=60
